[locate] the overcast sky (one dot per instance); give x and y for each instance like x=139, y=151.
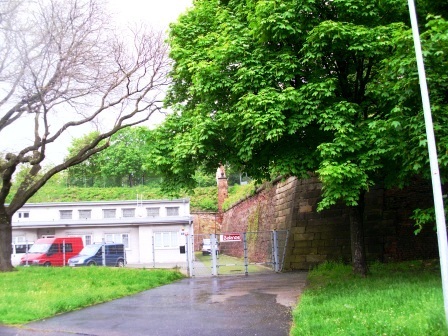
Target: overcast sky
x=155, y=13
x=158, y=13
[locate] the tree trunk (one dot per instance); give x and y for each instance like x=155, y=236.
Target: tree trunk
x=5, y=241
x=356, y=215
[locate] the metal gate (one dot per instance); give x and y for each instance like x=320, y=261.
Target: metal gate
x=236, y=253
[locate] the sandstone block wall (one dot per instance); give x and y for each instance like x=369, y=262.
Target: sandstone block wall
x=204, y=224
x=315, y=237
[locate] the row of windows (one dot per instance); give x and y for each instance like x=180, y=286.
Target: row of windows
x=55, y=248
x=24, y=214
x=166, y=239
x=119, y=238
x=126, y=213
x=112, y=213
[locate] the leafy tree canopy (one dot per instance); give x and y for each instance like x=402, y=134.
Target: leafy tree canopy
x=290, y=87
x=122, y=160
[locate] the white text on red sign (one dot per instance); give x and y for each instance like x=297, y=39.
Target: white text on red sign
x=231, y=237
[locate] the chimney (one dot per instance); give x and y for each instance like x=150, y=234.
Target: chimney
x=221, y=180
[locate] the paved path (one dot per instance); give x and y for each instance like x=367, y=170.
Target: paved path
x=258, y=304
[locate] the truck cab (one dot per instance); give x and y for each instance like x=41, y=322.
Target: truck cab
x=207, y=247
x=52, y=251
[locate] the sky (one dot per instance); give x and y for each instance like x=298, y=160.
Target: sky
x=158, y=13
x=155, y=13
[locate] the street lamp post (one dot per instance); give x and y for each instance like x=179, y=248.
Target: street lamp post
x=435, y=175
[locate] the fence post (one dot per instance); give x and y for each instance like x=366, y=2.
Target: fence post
x=189, y=257
x=26, y=251
x=153, y=253
x=63, y=252
x=285, y=245
x=246, y=260
x=103, y=252
x=213, y=252
x=275, y=251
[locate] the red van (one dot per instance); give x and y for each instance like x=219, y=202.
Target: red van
x=52, y=251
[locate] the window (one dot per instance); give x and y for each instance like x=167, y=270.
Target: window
x=128, y=213
x=65, y=214
x=22, y=248
x=166, y=239
x=54, y=248
x=172, y=211
x=87, y=239
x=121, y=238
x=109, y=213
x=114, y=249
x=152, y=212
x=85, y=214
x=24, y=214
x=68, y=247
x=19, y=239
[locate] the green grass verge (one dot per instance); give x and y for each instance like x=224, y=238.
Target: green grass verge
x=34, y=293
x=395, y=299
x=230, y=265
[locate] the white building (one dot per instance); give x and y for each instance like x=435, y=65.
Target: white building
x=153, y=231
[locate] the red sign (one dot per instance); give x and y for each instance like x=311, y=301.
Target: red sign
x=231, y=237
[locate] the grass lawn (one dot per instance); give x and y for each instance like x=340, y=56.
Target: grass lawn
x=395, y=299
x=230, y=265
x=34, y=293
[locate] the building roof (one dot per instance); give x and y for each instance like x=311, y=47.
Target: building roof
x=99, y=203
x=175, y=220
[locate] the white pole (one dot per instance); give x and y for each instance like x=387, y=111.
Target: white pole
x=435, y=175
x=213, y=244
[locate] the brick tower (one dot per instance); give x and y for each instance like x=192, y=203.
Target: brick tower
x=221, y=180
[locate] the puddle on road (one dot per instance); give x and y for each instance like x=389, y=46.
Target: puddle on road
x=286, y=292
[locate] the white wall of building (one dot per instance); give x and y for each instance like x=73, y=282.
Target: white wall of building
x=147, y=234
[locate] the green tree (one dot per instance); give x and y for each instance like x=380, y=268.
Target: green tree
x=84, y=173
x=124, y=159
x=279, y=87
x=123, y=162
x=62, y=67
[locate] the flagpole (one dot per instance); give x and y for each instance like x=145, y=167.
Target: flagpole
x=435, y=175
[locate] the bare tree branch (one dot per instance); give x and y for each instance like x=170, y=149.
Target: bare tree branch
x=63, y=67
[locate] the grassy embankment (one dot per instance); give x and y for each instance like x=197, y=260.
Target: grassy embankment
x=201, y=199
x=395, y=299
x=34, y=293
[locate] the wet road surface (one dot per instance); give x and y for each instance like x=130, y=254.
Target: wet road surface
x=220, y=306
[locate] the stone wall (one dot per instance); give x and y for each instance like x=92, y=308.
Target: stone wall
x=315, y=237
x=204, y=224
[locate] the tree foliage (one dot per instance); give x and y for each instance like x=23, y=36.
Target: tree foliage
x=62, y=67
x=288, y=87
x=291, y=87
x=86, y=170
x=122, y=163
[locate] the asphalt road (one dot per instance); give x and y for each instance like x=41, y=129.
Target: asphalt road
x=258, y=304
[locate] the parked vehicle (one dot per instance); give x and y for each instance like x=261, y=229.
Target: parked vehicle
x=102, y=254
x=52, y=251
x=207, y=247
x=18, y=251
